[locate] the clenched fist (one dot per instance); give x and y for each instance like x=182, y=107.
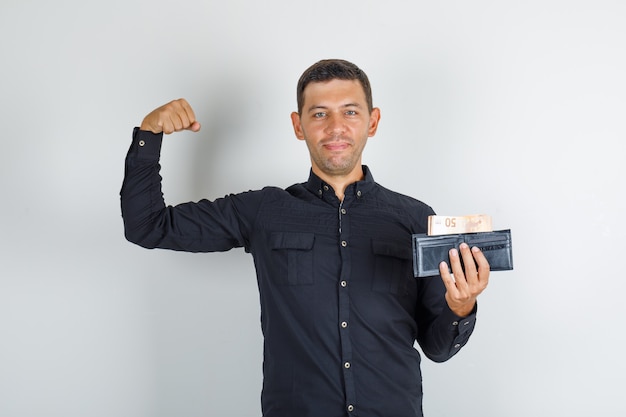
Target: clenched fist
x=172, y=117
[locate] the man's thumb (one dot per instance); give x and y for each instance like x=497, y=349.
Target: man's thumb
x=195, y=126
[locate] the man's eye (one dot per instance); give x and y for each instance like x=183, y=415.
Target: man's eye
x=319, y=115
x=351, y=113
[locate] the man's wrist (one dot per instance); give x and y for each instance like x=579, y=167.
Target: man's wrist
x=465, y=310
x=147, y=144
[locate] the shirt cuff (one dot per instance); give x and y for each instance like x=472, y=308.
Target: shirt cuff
x=146, y=145
x=462, y=324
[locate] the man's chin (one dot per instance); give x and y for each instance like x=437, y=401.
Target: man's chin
x=339, y=168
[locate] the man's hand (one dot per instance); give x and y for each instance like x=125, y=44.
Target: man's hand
x=172, y=117
x=464, y=288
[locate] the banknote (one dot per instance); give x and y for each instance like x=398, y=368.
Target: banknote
x=448, y=225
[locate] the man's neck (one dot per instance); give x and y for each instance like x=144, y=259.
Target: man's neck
x=341, y=182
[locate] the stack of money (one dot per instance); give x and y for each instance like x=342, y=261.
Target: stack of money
x=450, y=225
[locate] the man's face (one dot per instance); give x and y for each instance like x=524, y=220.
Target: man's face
x=335, y=124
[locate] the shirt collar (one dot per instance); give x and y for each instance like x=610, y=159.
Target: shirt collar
x=318, y=187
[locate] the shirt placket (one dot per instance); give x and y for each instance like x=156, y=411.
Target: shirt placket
x=344, y=310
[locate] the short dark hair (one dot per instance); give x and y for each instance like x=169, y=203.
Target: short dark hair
x=332, y=69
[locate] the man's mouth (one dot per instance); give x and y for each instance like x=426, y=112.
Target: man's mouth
x=336, y=146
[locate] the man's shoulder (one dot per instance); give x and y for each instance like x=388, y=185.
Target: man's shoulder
x=273, y=192
x=397, y=198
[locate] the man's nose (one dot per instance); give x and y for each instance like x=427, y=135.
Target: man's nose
x=335, y=124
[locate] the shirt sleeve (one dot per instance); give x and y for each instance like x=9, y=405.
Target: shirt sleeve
x=203, y=226
x=441, y=333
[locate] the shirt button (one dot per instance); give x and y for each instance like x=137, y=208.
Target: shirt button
x=466, y=323
x=343, y=211
x=344, y=324
x=350, y=408
x=326, y=188
x=344, y=243
x=457, y=346
x=344, y=284
x=142, y=143
x=455, y=323
x=320, y=192
x=346, y=365
x=358, y=193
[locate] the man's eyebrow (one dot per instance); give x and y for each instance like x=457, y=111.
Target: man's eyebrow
x=322, y=107
x=317, y=107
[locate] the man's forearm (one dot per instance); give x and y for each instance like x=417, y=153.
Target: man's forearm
x=141, y=196
x=446, y=334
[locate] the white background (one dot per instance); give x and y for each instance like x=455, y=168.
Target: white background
x=510, y=108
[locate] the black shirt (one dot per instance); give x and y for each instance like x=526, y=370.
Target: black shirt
x=340, y=308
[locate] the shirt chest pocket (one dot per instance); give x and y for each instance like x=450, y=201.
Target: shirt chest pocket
x=293, y=255
x=392, y=267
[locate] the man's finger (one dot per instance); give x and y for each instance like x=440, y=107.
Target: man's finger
x=457, y=269
x=447, y=279
x=469, y=271
x=483, y=265
x=189, y=114
x=195, y=126
x=167, y=126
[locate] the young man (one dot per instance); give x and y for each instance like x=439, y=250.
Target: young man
x=340, y=307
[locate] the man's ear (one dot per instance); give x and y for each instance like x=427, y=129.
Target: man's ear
x=297, y=126
x=374, y=119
